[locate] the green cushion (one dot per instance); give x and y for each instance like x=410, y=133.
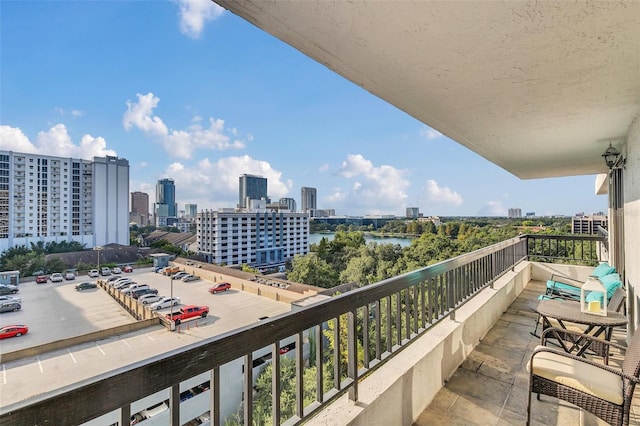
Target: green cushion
x=611, y=282
x=603, y=269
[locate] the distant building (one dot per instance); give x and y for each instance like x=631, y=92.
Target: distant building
x=165, y=207
x=183, y=226
x=530, y=214
x=588, y=224
x=191, y=210
x=255, y=238
x=140, y=207
x=515, y=213
x=289, y=202
x=308, y=199
x=251, y=187
x=413, y=212
x=53, y=199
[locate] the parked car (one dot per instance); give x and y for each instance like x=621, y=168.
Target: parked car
x=116, y=270
x=4, y=299
x=148, y=299
x=119, y=283
x=157, y=269
x=10, y=307
x=127, y=268
x=136, y=294
x=124, y=285
x=133, y=287
x=69, y=276
x=179, y=275
x=16, y=330
x=56, y=278
x=8, y=289
x=85, y=286
x=112, y=280
x=190, y=278
x=165, y=302
x=219, y=287
x=42, y=279
x=94, y=273
x=188, y=312
x=105, y=272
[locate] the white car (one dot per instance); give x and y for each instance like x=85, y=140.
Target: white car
x=133, y=287
x=165, y=302
x=56, y=278
x=123, y=280
x=94, y=273
x=8, y=299
x=179, y=275
x=116, y=270
x=148, y=299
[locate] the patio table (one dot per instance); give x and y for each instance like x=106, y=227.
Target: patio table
x=564, y=311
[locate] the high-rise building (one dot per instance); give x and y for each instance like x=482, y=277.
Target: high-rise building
x=265, y=238
x=289, y=202
x=308, y=200
x=140, y=206
x=165, y=208
x=413, y=212
x=191, y=210
x=515, y=213
x=251, y=188
x=53, y=199
x=589, y=224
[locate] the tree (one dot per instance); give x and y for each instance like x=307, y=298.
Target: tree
x=313, y=271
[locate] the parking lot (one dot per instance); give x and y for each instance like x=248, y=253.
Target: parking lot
x=58, y=311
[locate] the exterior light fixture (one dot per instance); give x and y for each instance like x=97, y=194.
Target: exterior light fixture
x=611, y=156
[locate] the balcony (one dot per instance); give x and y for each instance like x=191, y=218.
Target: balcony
x=413, y=332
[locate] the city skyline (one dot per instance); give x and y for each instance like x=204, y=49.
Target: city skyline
x=203, y=97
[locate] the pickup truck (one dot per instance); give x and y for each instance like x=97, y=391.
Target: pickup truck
x=188, y=312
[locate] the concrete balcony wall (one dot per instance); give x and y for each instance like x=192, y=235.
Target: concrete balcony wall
x=400, y=390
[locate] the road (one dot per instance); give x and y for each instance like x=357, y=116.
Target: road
x=34, y=375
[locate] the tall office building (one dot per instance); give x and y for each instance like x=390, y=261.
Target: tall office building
x=54, y=199
x=265, y=238
x=251, y=188
x=165, y=208
x=289, y=202
x=413, y=212
x=308, y=199
x=515, y=213
x=140, y=206
x=191, y=210
x=589, y=225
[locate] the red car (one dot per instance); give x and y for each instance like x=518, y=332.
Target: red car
x=127, y=268
x=41, y=279
x=13, y=331
x=219, y=287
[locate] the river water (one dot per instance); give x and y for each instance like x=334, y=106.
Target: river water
x=404, y=242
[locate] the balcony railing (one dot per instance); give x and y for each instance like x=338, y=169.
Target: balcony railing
x=379, y=319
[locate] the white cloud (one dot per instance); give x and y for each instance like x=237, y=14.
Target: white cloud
x=195, y=13
x=429, y=133
x=77, y=113
x=373, y=189
x=323, y=168
x=214, y=184
x=179, y=143
x=493, y=208
x=441, y=195
x=55, y=141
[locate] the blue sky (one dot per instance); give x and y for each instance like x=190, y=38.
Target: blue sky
x=188, y=91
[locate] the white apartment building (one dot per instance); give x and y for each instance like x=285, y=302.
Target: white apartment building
x=258, y=238
x=53, y=199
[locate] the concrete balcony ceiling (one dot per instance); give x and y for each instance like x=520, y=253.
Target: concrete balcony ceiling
x=538, y=88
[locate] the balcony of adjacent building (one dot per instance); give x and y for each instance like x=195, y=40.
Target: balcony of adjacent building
x=449, y=342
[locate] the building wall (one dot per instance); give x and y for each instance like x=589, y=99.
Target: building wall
x=251, y=187
x=309, y=199
x=253, y=238
x=111, y=200
x=165, y=205
x=140, y=206
x=631, y=178
x=588, y=224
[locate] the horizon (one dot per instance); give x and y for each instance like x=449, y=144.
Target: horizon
x=200, y=96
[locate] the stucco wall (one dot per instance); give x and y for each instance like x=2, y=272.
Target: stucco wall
x=400, y=390
x=632, y=222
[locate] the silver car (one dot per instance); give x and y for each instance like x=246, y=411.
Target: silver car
x=148, y=299
x=10, y=307
x=6, y=299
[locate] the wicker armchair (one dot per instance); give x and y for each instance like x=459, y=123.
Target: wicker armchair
x=599, y=389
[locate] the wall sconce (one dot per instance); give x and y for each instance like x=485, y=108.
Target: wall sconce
x=611, y=156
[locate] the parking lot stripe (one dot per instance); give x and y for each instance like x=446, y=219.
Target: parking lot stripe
x=4, y=375
x=125, y=342
x=100, y=349
x=150, y=338
x=72, y=357
x=40, y=364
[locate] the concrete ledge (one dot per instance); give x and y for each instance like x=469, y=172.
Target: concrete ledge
x=402, y=388
x=61, y=344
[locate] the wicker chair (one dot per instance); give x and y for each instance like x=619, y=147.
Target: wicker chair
x=599, y=389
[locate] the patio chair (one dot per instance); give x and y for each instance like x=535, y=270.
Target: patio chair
x=599, y=389
x=563, y=286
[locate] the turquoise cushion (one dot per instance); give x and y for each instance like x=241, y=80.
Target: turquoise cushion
x=603, y=269
x=611, y=282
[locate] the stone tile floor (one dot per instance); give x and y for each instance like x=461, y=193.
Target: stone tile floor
x=491, y=386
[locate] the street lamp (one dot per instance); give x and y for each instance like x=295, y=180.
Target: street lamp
x=98, y=249
x=171, y=307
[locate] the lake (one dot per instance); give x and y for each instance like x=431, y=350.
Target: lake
x=404, y=242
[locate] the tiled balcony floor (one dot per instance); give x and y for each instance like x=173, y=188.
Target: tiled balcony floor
x=491, y=386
